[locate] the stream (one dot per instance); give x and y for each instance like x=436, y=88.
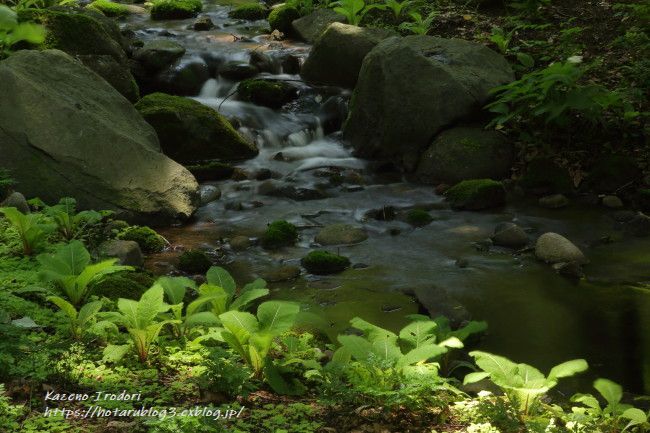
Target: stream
x=534, y=315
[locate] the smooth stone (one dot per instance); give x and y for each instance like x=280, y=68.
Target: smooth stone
x=310, y=27
x=340, y=234
x=128, y=252
x=209, y=193
x=612, y=202
x=240, y=243
x=203, y=23
x=555, y=248
x=16, y=200
x=554, y=201
x=509, y=235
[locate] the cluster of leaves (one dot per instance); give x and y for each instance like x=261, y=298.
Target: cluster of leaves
x=12, y=32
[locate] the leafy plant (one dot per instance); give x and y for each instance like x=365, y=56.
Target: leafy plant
x=12, y=32
x=71, y=270
x=522, y=383
x=79, y=320
x=398, y=7
x=252, y=337
x=614, y=411
x=6, y=183
x=551, y=94
x=69, y=223
x=418, y=25
x=141, y=319
x=501, y=38
x=354, y=10
x=220, y=292
x=31, y=229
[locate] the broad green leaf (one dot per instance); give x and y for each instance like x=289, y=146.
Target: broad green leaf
x=94, y=272
x=75, y=256
x=234, y=343
x=25, y=322
x=219, y=297
x=217, y=276
x=494, y=364
x=277, y=316
x=150, y=304
x=386, y=348
x=115, y=353
x=129, y=309
x=8, y=18
x=239, y=323
x=371, y=331
x=452, y=342
x=202, y=300
x=636, y=417
x=255, y=285
x=568, y=368
x=612, y=392
x=418, y=333
x=475, y=377
x=358, y=347
x=586, y=399
x=421, y=354
x=88, y=311
x=472, y=327
x=247, y=297
x=175, y=287
x=65, y=306
x=204, y=318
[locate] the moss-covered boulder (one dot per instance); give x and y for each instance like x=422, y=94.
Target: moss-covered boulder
x=128, y=253
x=250, y=11
x=466, y=153
x=310, y=27
x=611, y=173
x=279, y=234
x=147, y=238
x=175, y=9
x=476, y=194
x=281, y=18
x=78, y=33
x=269, y=93
x=110, y=9
x=418, y=217
x=211, y=170
x=324, y=262
x=340, y=234
x=158, y=54
x=543, y=177
x=190, y=131
x=129, y=285
x=194, y=262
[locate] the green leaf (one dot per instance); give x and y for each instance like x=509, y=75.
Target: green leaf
x=175, y=287
x=239, y=323
x=277, y=316
x=88, y=311
x=358, y=347
x=217, y=276
x=636, y=417
x=25, y=322
x=475, y=377
x=418, y=333
x=65, y=306
x=568, y=368
x=205, y=318
x=8, y=18
x=612, y=392
x=371, y=331
x=526, y=60
x=586, y=399
x=150, y=304
x=421, y=354
x=247, y=297
x=115, y=353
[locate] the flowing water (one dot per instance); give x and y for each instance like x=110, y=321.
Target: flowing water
x=534, y=315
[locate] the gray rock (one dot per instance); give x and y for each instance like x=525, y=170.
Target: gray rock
x=310, y=27
x=571, y=270
x=264, y=63
x=612, y=202
x=128, y=252
x=116, y=74
x=277, y=189
x=238, y=70
x=65, y=132
x=554, y=248
x=336, y=57
x=340, y=234
x=159, y=54
x=411, y=88
x=509, y=235
x=466, y=153
x=240, y=243
x=554, y=201
x=17, y=200
x=209, y=193
x=184, y=78
x=202, y=23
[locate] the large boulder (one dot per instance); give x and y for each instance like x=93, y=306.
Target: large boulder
x=410, y=88
x=190, y=131
x=466, y=153
x=336, y=57
x=158, y=54
x=115, y=74
x=554, y=248
x=65, y=132
x=310, y=27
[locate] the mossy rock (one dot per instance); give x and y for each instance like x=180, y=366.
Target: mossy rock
x=190, y=131
x=250, y=11
x=194, y=262
x=78, y=33
x=175, y=9
x=324, y=262
x=147, y=238
x=611, y=173
x=210, y=171
x=281, y=18
x=109, y=8
x=418, y=217
x=543, y=177
x=130, y=285
x=269, y=93
x=477, y=194
x=279, y=234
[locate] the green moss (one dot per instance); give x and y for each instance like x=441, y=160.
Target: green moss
x=194, y=262
x=147, y=238
x=476, y=194
x=175, y=9
x=279, y=234
x=250, y=11
x=418, y=217
x=281, y=18
x=190, y=131
x=77, y=33
x=109, y=8
x=543, y=176
x=212, y=170
x=324, y=262
x=130, y=285
x=269, y=93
